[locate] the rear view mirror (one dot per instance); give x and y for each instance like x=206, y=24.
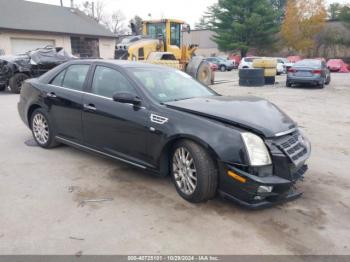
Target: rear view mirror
x=126, y=98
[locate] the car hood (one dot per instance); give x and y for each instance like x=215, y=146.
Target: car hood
x=250, y=113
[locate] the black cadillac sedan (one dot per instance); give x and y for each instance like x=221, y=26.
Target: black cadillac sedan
x=160, y=119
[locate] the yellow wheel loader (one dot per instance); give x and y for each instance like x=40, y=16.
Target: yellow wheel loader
x=162, y=43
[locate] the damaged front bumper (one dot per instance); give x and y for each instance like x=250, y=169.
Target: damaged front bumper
x=276, y=190
x=265, y=186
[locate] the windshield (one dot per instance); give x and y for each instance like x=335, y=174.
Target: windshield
x=170, y=85
x=155, y=30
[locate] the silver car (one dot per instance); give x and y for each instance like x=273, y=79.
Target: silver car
x=309, y=71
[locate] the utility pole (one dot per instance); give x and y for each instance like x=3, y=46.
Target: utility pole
x=93, y=8
x=72, y=3
x=61, y=2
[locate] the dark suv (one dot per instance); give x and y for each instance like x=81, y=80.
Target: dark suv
x=223, y=64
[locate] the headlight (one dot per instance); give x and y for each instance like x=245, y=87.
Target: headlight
x=257, y=151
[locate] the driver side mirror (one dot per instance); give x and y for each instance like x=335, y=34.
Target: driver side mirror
x=127, y=98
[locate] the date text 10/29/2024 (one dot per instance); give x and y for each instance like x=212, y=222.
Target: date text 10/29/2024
x=173, y=258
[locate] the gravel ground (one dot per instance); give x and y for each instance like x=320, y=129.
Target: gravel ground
x=42, y=192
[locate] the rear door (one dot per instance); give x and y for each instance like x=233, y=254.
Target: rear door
x=115, y=128
x=65, y=101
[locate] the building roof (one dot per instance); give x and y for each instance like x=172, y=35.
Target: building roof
x=29, y=16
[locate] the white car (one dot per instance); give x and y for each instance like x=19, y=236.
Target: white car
x=286, y=63
x=281, y=67
x=247, y=62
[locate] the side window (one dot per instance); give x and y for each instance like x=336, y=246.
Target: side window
x=108, y=81
x=57, y=81
x=75, y=77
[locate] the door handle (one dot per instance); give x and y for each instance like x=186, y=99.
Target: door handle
x=51, y=95
x=89, y=107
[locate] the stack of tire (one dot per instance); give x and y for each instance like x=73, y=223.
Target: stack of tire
x=269, y=65
x=251, y=77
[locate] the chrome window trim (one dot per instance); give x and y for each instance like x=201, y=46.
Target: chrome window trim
x=88, y=93
x=286, y=132
x=66, y=88
x=99, y=152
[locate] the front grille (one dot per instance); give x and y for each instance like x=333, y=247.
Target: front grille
x=293, y=146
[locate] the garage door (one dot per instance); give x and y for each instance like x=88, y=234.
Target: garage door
x=20, y=46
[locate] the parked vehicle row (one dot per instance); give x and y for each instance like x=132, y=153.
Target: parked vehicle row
x=281, y=68
x=161, y=119
x=222, y=64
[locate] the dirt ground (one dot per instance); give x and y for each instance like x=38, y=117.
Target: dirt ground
x=42, y=192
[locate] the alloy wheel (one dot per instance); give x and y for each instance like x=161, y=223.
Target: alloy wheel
x=40, y=129
x=184, y=170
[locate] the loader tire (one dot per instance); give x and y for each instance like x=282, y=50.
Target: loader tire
x=199, y=69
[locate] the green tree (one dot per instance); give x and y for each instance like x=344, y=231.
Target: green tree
x=240, y=25
x=344, y=14
x=334, y=11
x=280, y=7
x=203, y=23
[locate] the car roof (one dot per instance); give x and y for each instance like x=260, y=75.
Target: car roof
x=121, y=63
x=308, y=62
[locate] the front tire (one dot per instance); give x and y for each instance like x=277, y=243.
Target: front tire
x=16, y=82
x=42, y=129
x=193, y=171
x=223, y=68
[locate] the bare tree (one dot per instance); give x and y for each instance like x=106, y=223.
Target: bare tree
x=97, y=10
x=115, y=23
x=94, y=9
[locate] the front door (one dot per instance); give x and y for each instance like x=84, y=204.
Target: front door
x=112, y=127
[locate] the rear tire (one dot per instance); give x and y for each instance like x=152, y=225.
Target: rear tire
x=288, y=84
x=16, y=82
x=328, y=81
x=2, y=87
x=193, y=171
x=42, y=129
x=321, y=85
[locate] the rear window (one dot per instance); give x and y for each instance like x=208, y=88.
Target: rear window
x=57, y=81
x=308, y=63
x=75, y=77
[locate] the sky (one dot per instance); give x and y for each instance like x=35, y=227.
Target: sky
x=188, y=10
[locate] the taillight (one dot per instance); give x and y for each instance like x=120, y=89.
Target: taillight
x=316, y=72
x=292, y=70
